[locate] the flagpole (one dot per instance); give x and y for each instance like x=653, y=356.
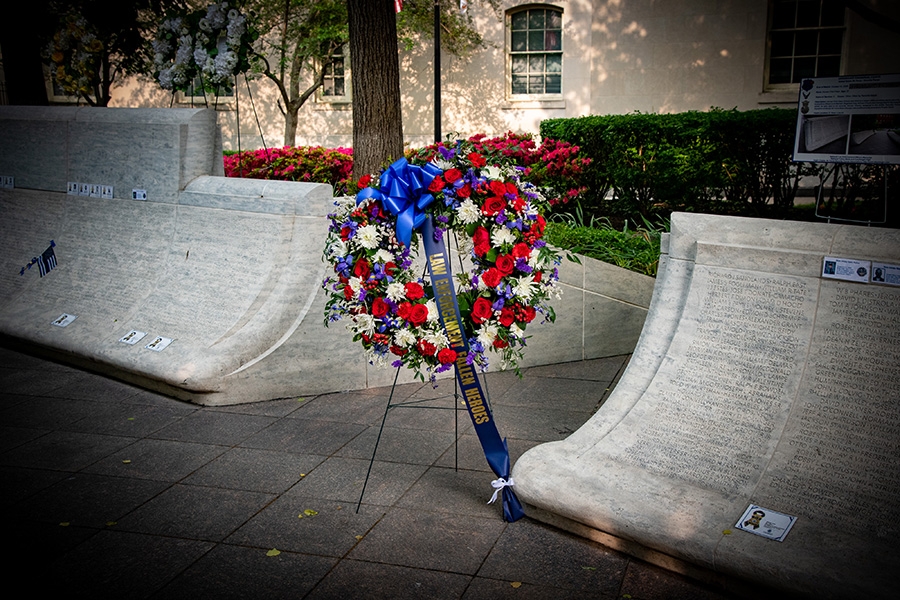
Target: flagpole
x=437, y=71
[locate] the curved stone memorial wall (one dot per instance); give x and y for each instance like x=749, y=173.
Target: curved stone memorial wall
x=756, y=430
x=203, y=287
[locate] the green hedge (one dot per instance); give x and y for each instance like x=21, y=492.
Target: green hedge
x=721, y=161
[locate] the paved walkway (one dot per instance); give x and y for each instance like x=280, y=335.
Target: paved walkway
x=111, y=491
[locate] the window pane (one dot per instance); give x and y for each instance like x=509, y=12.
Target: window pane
x=519, y=21
x=832, y=13
x=338, y=67
x=554, y=84
x=553, y=40
x=829, y=66
x=339, y=87
x=783, y=15
x=535, y=84
x=536, y=64
x=807, y=42
x=519, y=84
x=808, y=13
x=780, y=70
x=554, y=19
x=535, y=40
x=328, y=87
x=554, y=63
x=519, y=64
x=535, y=19
x=803, y=67
x=830, y=41
x=519, y=41
x=782, y=43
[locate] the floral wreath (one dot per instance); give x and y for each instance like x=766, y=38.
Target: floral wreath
x=495, y=217
x=214, y=43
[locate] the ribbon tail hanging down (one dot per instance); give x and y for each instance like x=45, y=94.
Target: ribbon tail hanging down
x=495, y=448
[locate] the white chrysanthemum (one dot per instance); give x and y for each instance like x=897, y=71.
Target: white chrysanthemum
x=368, y=237
x=524, y=287
x=438, y=338
x=345, y=203
x=432, y=310
x=337, y=248
x=404, y=338
x=363, y=323
x=491, y=172
x=501, y=236
x=487, y=333
x=355, y=284
x=442, y=164
x=395, y=291
x=516, y=332
x=383, y=256
x=468, y=212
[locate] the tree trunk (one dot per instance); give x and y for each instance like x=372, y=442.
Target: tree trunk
x=375, y=61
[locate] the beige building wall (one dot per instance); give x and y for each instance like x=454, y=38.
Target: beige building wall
x=619, y=56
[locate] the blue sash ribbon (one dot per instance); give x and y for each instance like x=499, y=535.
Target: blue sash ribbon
x=404, y=192
x=495, y=448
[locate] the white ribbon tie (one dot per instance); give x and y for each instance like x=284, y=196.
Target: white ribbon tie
x=498, y=485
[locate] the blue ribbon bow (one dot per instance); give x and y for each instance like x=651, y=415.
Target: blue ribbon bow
x=404, y=192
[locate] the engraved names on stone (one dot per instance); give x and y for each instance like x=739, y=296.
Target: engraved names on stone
x=840, y=463
x=719, y=412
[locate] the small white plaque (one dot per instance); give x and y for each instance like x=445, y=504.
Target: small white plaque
x=64, y=319
x=8, y=182
x=847, y=269
x=885, y=274
x=767, y=523
x=84, y=189
x=132, y=337
x=137, y=194
x=96, y=190
x=72, y=188
x=159, y=344
x=107, y=192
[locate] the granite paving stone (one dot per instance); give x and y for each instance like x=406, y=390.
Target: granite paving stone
x=196, y=512
x=112, y=510
x=255, y=470
x=222, y=574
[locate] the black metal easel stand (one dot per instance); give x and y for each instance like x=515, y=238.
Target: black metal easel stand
x=416, y=404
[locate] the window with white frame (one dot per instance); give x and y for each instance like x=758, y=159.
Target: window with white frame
x=336, y=84
x=535, y=51
x=806, y=39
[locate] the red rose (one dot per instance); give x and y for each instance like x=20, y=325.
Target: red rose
x=418, y=314
x=390, y=268
x=482, y=240
x=437, y=184
x=505, y=264
x=426, y=348
x=491, y=277
x=447, y=356
x=493, y=205
x=521, y=250
x=481, y=311
x=538, y=275
x=403, y=310
x=348, y=292
x=507, y=316
x=362, y=268
x=497, y=187
x=379, y=308
x=452, y=175
x=364, y=181
x=345, y=233
x=476, y=159
x=398, y=350
x=414, y=290
x=498, y=343
x=465, y=191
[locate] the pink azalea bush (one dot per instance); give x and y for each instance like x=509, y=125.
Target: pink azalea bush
x=301, y=163
x=553, y=165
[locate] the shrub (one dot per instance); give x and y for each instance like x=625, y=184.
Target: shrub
x=721, y=161
x=302, y=163
x=554, y=165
